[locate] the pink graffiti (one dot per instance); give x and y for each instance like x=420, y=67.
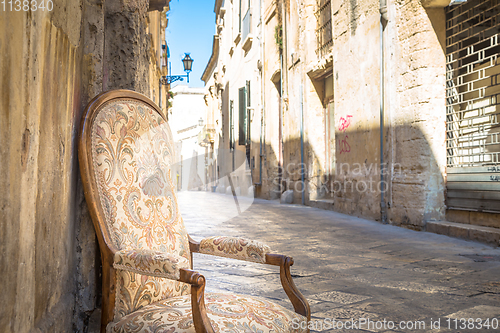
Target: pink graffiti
x=344, y=123
x=344, y=146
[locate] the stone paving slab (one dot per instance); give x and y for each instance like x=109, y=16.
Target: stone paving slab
x=348, y=267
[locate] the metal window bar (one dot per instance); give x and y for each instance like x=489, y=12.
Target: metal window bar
x=473, y=84
x=324, y=31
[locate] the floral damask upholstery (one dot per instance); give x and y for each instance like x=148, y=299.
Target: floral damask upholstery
x=227, y=313
x=235, y=247
x=132, y=151
x=152, y=263
x=134, y=291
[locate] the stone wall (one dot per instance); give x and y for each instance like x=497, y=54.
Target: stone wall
x=272, y=106
x=51, y=66
x=414, y=111
x=415, y=139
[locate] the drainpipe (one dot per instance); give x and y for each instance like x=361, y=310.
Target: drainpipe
x=383, y=23
x=280, y=133
x=284, y=79
x=302, y=142
x=262, y=99
x=261, y=139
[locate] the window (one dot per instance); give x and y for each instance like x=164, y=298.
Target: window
x=239, y=17
x=324, y=30
x=246, y=24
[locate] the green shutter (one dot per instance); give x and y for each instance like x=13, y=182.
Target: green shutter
x=231, y=124
x=242, y=121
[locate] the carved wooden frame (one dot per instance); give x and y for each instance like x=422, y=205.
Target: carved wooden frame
x=107, y=249
x=298, y=300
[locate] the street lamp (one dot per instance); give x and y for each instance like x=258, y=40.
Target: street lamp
x=187, y=62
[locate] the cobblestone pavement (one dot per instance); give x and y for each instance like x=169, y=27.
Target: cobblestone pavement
x=350, y=268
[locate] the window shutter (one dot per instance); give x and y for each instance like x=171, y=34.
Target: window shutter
x=472, y=119
x=231, y=124
x=242, y=121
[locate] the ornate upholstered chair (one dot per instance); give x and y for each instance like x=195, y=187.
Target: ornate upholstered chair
x=125, y=154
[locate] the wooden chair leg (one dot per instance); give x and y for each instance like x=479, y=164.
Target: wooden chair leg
x=200, y=318
x=298, y=300
x=108, y=295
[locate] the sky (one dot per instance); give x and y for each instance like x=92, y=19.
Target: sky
x=191, y=27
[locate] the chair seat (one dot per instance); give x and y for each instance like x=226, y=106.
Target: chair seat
x=227, y=313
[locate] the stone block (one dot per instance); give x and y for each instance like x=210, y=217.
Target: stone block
x=485, y=219
x=466, y=231
x=485, y=236
x=459, y=232
x=287, y=197
x=458, y=216
x=438, y=227
x=251, y=192
x=274, y=195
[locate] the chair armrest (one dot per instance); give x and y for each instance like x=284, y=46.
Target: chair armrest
x=235, y=247
x=160, y=264
x=299, y=302
x=149, y=262
x=243, y=249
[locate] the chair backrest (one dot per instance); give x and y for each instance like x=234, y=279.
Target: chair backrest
x=126, y=152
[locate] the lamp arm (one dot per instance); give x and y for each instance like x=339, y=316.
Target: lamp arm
x=169, y=79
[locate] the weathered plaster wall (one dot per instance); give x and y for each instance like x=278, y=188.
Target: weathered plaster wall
x=271, y=76
x=356, y=54
x=41, y=101
x=87, y=275
x=51, y=66
x=292, y=82
x=316, y=96
x=416, y=113
x=125, y=30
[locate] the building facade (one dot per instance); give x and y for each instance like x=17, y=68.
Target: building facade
x=187, y=123
x=379, y=109
x=233, y=95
